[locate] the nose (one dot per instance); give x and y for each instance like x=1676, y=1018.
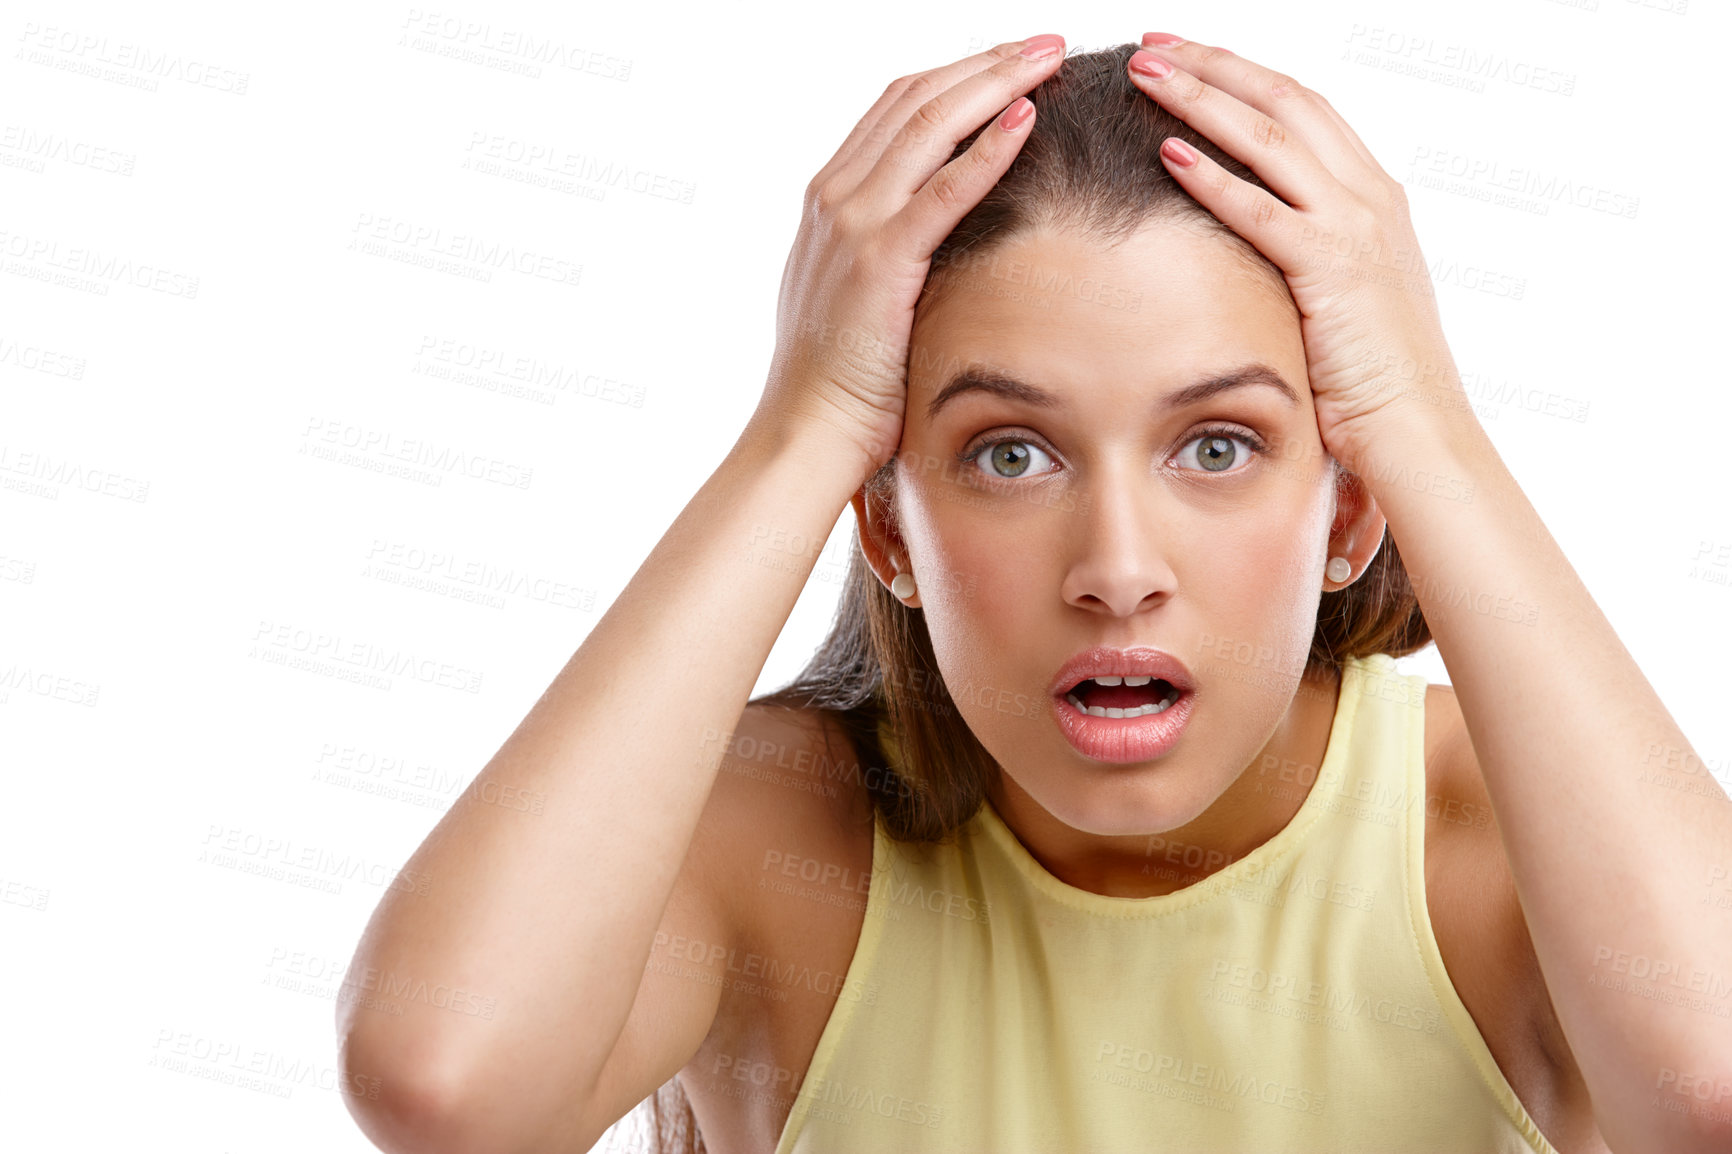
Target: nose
x=1120, y=546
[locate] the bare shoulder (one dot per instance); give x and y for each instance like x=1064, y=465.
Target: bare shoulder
x=1483, y=933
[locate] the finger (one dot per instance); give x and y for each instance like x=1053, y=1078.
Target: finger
x=917, y=230
x=1260, y=104
x=861, y=151
x=1149, y=42
x=932, y=126
x=1254, y=213
x=861, y=130
x=867, y=136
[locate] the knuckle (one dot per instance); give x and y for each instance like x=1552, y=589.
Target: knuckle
x=880, y=137
x=1395, y=196
x=947, y=188
x=821, y=199
x=922, y=87
x=1186, y=89
x=1267, y=133
x=929, y=118
x=1263, y=210
x=1203, y=53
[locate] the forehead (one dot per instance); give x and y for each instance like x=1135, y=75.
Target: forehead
x=1065, y=306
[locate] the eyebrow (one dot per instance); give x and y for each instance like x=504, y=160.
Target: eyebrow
x=976, y=379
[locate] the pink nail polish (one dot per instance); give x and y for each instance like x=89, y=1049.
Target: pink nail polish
x=1150, y=65
x=1162, y=39
x=1042, y=46
x=1179, y=152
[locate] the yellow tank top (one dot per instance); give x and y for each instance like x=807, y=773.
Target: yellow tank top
x=1294, y=1000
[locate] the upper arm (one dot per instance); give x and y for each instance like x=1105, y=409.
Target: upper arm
x=681, y=995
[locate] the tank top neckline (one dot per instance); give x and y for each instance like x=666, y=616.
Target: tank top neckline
x=1250, y=867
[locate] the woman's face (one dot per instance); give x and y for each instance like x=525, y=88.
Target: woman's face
x=1106, y=517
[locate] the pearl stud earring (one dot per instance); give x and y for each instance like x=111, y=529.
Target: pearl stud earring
x=902, y=586
x=1339, y=569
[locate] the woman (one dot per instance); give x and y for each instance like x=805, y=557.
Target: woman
x=1103, y=819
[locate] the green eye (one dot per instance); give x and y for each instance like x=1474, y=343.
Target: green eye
x=1217, y=451
x=1007, y=459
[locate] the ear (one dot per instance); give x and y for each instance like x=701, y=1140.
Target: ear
x=879, y=540
x=1357, y=531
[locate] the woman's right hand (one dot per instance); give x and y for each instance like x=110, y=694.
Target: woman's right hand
x=873, y=217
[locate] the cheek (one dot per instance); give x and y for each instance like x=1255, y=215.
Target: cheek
x=982, y=593
x=1256, y=583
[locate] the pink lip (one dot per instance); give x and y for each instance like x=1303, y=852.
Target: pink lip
x=1106, y=661
x=1122, y=740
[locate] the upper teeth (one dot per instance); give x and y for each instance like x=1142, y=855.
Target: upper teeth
x=1160, y=706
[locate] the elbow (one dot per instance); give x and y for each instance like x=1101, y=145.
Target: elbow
x=404, y=1102
x=420, y=1095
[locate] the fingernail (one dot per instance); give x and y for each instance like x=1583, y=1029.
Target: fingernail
x=1179, y=152
x=1042, y=46
x=1018, y=112
x=1162, y=39
x=1150, y=65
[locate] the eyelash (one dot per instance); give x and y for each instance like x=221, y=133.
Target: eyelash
x=1230, y=432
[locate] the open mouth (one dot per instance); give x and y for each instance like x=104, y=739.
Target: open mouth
x=1122, y=696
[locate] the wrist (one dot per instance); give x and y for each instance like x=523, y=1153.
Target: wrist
x=812, y=452
x=1418, y=450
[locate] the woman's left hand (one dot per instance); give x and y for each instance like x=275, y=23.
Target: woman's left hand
x=1338, y=229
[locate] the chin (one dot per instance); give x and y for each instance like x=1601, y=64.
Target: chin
x=1125, y=808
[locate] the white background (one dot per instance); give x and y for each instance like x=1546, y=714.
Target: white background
x=170, y=536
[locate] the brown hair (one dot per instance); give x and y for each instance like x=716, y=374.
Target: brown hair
x=1091, y=165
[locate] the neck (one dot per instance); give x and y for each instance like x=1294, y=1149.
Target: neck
x=1253, y=809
